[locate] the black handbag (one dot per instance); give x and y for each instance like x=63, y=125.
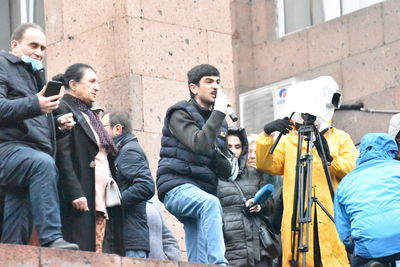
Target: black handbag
x=269, y=240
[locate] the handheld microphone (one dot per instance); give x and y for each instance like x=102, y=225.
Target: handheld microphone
x=231, y=113
x=263, y=193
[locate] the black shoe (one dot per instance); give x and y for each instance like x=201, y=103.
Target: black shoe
x=61, y=243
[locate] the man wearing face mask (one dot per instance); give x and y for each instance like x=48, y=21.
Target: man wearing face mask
x=325, y=248
x=28, y=174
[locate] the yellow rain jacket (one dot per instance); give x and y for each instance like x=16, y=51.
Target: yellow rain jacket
x=283, y=162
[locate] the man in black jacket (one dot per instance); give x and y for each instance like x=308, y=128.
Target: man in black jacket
x=28, y=174
x=135, y=182
x=186, y=175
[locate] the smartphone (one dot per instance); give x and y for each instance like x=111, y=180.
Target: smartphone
x=52, y=88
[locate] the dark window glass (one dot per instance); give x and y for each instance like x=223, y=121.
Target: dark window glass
x=15, y=12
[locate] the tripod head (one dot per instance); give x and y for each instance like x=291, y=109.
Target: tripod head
x=308, y=119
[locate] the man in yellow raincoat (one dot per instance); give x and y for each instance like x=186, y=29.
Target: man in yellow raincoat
x=342, y=154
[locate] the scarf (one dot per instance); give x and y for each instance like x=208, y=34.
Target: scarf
x=105, y=140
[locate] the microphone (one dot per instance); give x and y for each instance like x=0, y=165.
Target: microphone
x=231, y=113
x=263, y=193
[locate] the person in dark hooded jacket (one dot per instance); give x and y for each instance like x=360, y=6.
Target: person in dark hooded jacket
x=241, y=227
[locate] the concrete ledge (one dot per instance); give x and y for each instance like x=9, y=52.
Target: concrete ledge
x=31, y=256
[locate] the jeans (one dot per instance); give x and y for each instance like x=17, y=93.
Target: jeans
x=136, y=254
x=29, y=178
x=201, y=214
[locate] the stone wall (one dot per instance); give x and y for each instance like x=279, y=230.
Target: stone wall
x=360, y=51
x=30, y=256
x=142, y=51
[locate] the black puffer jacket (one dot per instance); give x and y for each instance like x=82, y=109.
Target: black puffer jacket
x=243, y=247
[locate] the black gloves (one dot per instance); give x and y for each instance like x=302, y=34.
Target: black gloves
x=280, y=125
x=324, y=146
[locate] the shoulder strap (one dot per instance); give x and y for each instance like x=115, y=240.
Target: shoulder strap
x=240, y=191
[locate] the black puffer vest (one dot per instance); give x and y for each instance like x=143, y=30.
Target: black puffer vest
x=178, y=164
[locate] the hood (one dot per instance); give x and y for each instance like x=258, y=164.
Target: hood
x=241, y=133
x=394, y=125
x=377, y=146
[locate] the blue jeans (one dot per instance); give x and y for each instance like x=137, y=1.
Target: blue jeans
x=136, y=254
x=29, y=178
x=201, y=214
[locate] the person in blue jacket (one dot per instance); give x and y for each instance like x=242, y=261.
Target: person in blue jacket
x=367, y=203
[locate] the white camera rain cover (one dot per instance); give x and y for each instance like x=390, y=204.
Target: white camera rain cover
x=313, y=97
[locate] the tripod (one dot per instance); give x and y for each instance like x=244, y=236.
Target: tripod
x=303, y=197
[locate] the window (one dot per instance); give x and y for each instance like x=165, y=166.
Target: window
x=15, y=12
x=262, y=105
x=295, y=15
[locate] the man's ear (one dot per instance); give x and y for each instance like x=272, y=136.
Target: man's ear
x=119, y=129
x=13, y=45
x=193, y=88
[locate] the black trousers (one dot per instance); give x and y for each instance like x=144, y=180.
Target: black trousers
x=358, y=261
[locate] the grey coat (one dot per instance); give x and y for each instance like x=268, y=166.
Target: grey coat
x=163, y=244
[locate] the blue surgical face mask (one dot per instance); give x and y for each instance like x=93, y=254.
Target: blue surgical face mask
x=36, y=64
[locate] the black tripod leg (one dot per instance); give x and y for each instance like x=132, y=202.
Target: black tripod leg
x=295, y=227
x=321, y=152
x=323, y=208
x=317, y=249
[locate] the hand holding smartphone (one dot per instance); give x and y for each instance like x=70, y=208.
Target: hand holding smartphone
x=52, y=88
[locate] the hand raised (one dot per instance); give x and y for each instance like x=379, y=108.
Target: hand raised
x=280, y=125
x=47, y=104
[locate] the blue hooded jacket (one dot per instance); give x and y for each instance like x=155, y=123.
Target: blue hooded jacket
x=367, y=200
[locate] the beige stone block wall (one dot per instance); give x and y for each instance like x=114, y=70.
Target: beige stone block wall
x=365, y=29
x=371, y=72
x=359, y=50
x=22, y=255
x=391, y=13
x=158, y=95
x=328, y=42
x=142, y=51
x=208, y=15
x=281, y=59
